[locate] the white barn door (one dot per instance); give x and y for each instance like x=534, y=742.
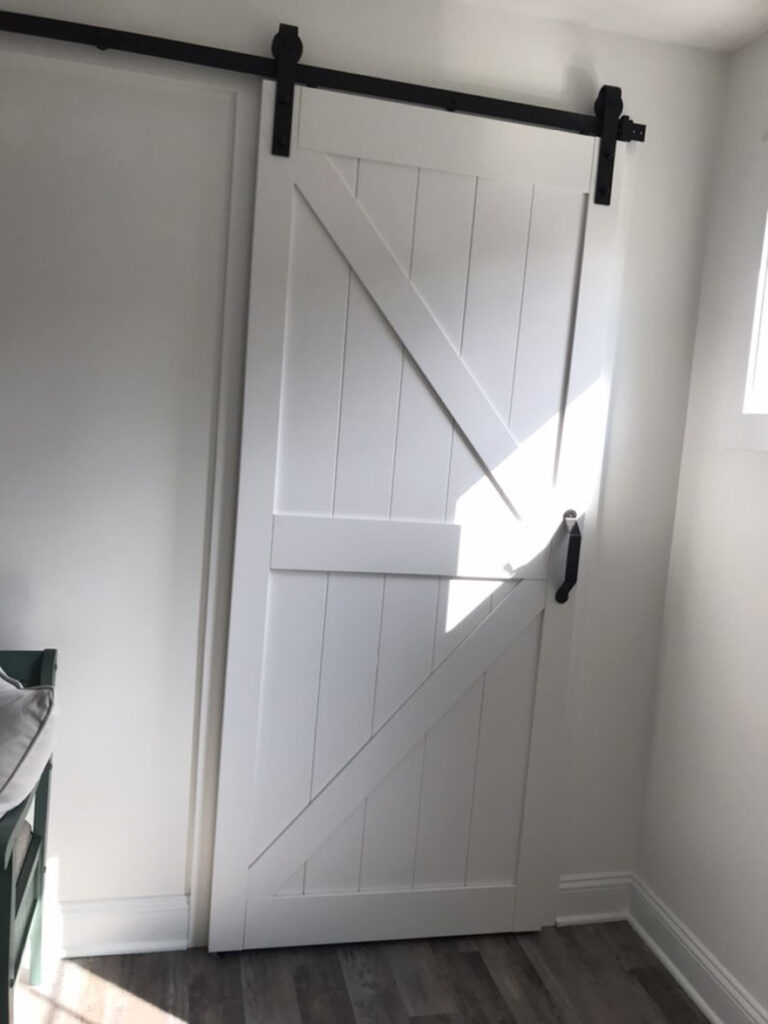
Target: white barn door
x=425, y=395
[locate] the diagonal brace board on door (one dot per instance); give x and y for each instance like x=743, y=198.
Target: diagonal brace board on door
x=607, y=123
x=401, y=305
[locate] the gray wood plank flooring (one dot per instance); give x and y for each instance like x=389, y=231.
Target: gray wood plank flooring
x=594, y=974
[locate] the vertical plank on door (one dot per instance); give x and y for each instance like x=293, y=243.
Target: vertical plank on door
x=549, y=304
x=392, y=816
x=442, y=235
x=347, y=167
x=371, y=385
x=335, y=867
x=374, y=356
x=486, y=522
x=461, y=607
x=423, y=451
x=286, y=723
x=295, y=884
x=405, y=654
x=442, y=230
x=387, y=193
x=472, y=500
x=446, y=793
x=317, y=312
x=441, y=244
x=370, y=401
x=488, y=346
x=551, y=278
x=495, y=286
x=348, y=674
x=501, y=762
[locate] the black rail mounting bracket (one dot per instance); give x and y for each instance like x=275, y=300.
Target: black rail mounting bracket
x=286, y=49
x=608, y=108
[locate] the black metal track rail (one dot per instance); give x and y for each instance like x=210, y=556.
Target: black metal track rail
x=619, y=129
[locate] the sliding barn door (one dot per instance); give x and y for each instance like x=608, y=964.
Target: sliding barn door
x=425, y=392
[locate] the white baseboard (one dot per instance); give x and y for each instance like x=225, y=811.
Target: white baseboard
x=103, y=927
x=588, y=899
x=716, y=992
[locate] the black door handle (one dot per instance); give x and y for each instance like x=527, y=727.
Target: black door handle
x=571, y=524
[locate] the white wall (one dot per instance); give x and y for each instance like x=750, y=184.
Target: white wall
x=706, y=827
x=676, y=91
x=117, y=272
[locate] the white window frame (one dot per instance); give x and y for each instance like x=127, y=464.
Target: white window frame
x=747, y=410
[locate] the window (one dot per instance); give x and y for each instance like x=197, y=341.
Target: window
x=756, y=390
x=746, y=300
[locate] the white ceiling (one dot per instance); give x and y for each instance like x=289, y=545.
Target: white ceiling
x=715, y=24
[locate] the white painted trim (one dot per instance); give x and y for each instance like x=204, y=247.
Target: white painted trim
x=717, y=993
x=107, y=927
x=742, y=430
x=593, y=898
x=225, y=447
x=253, y=535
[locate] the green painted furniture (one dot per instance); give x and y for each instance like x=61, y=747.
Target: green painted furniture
x=22, y=850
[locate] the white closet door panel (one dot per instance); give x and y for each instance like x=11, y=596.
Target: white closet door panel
x=295, y=884
x=348, y=167
x=416, y=136
x=495, y=286
x=387, y=193
x=336, y=865
x=501, y=758
x=403, y=305
x=489, y=529
x=423, y=451
x=549, y=306
x=397, y=736
x=288, y=703
x=366, y=447
x=405, y=649
x=316, y=324
x=446, y=794
x=444, y=213
x=546, y=329
x=374, y=355
x=391, y=824
x=419, y=485
x=471, y=498
x=441, y=238
x=435, y=268
x=350, y=654
x=461, y=606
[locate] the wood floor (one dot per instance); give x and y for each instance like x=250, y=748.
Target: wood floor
x=595, y=974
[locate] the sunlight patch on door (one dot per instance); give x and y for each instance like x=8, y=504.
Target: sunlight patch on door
x=491, y=536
